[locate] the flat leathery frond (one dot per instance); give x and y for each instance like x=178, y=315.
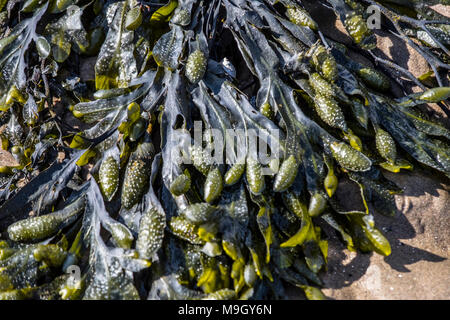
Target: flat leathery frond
x=175, y=107
x=110, y=274
x=112, y=108
x=68, y=31
x=12, y=61
x=116, y=65
x=168, y=48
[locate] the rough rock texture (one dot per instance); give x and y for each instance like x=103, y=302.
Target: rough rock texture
x=6, y=159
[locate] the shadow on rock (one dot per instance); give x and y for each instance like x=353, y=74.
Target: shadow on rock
x=403, y=254
x=399, y=227
x=341, y=274
x=422, y=206
x=344, y=267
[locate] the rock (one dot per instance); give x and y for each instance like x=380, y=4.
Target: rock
x=442, y=9
x=395, y=49
x=418, y=267
x=330, y=25
x=6, y=159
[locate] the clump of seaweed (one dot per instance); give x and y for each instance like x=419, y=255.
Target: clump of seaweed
x=112, y=180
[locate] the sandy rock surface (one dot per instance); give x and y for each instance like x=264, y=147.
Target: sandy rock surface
x=7, y=159
x=419, y=266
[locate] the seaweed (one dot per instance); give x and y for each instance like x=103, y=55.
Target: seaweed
x=203, y=156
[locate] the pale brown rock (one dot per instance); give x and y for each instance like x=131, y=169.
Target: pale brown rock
x=442, y=9
x=403, y=54
x=6, y=159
